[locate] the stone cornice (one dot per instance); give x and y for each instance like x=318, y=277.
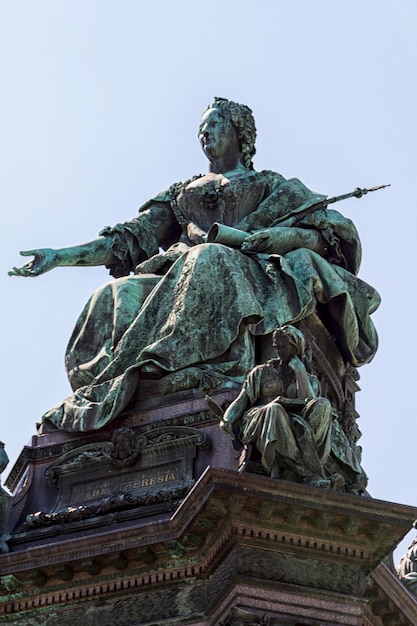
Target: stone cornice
x=346, y=535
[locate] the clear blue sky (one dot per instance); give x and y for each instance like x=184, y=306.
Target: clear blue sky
x=100, y=103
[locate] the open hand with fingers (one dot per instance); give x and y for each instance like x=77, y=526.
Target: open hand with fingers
x=45, y=259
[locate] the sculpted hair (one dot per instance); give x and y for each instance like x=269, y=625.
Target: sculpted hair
x=242, y=119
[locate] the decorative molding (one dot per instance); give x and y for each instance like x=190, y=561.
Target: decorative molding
x=215, y=539
x=131, y=471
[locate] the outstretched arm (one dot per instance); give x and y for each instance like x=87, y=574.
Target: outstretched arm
x=96, y=252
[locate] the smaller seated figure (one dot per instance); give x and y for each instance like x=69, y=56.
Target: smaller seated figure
x=407, y=569
x=282, y=413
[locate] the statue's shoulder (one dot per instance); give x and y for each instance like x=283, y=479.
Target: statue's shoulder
x=167, y=194
x=263, y=368
x=162, y=196
x=272, y=177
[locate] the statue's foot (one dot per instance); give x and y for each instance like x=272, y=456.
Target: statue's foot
x=151, y=371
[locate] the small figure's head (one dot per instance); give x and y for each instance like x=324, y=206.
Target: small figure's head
x=289, y=342
x=227, y=125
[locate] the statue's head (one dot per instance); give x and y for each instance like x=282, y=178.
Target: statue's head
x=243, y=121
x=289, y=335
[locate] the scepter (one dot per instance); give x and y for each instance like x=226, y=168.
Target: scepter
x=356, y=193
x=309, y=206
x=219, y=233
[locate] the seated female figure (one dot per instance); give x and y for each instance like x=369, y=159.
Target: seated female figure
x=281, y=413
x=197, y=307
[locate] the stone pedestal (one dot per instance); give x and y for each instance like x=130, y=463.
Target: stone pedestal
x=152, y=523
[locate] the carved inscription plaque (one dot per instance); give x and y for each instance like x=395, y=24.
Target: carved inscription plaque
x=167, y=475
x=127, y=468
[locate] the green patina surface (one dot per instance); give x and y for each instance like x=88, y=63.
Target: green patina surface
x=191, y=313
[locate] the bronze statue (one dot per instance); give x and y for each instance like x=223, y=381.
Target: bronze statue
x=281, y=412
x=199, y=311
x=407, y=568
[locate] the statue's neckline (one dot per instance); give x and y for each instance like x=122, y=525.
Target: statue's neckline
x=232, y=174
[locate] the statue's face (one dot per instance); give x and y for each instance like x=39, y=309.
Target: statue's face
x=284, y=346
x=217, y=135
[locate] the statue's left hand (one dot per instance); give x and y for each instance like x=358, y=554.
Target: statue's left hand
x=296, y=364
x=272, y=240
x=283, y=239
x=45, y=259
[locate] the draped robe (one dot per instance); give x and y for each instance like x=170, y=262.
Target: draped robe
x=200, y=305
